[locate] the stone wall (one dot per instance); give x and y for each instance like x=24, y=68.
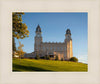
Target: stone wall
x=71, y=49
x=60, y=55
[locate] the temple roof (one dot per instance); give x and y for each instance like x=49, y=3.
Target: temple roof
x=38, y=29
x=68, y=31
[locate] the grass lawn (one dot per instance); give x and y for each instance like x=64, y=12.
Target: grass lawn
x=47, y=65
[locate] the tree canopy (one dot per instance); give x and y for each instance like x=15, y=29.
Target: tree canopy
x=20, y=30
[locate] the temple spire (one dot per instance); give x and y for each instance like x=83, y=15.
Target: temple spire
x=68, y=31
x=38, y=29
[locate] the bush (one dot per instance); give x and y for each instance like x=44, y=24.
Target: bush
x=22, y=57
x=74, y=59
x=37, y=57
x=48, y=57
x=56, y=57
x=45, y=57
x=30, y=57
x=41, y=57
x=62, y=59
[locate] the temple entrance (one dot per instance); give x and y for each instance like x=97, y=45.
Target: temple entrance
x=51, y=55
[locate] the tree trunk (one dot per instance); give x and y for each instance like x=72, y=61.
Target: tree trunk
x=13, y=46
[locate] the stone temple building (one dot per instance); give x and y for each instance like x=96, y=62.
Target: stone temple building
x=62, y=50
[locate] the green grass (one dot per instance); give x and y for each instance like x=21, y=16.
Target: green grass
x=47, y=65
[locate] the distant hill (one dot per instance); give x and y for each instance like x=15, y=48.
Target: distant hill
x=48, y=65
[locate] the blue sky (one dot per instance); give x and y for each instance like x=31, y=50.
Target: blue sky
x=54, y=26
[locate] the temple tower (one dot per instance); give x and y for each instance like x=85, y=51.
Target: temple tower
x=68, y=41
x=38, y=39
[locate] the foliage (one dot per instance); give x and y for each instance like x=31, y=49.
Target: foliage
x=22, y=57
x=56, y=57
x=30, y=57
x=48, y=57
x=37, y=57
x=74, y=59
x=20, y=50
x=62, y=59
x=41, y=57
x=45, y=57
x=19, y=29
x=20, y=53
x=47, y=65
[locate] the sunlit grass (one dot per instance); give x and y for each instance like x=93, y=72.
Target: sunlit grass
x=47, y=65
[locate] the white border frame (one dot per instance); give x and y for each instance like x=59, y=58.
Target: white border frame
x=9, y=77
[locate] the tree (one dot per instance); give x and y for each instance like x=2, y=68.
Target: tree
x=20, y=30
x=20, y=53
x=20, y=50
x=74, y=59
x=13, y=46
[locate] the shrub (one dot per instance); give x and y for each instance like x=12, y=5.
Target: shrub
x=22, y=57
x=61, y=59
x=30, y=57
x=48, y=57
x=56, y=57
x=41, y=57
x=74, y=59
x=37, y=57
x=45, y=57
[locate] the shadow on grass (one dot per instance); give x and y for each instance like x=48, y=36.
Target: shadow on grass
x=19, y=68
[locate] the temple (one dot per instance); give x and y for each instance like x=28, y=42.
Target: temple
x=62, y=50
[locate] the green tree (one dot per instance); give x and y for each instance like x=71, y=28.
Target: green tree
x=74, y=59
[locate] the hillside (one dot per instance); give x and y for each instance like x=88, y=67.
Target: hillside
x=47, y=65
